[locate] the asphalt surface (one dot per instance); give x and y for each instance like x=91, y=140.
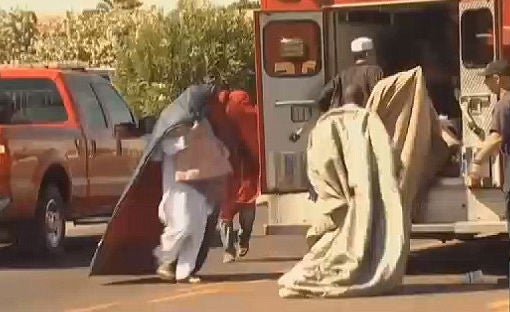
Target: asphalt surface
x=435, y=281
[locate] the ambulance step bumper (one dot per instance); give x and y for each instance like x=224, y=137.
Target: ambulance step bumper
x=465, y=228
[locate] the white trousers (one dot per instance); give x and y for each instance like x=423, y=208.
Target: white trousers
x=184, y=211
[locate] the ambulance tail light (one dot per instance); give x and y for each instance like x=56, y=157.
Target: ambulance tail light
x=5, y=174
x=5, y=159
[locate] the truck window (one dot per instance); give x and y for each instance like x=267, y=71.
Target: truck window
x=111, y=100
x=292, y=48
x=30, y=101
x=477, y=38
x=90, y=109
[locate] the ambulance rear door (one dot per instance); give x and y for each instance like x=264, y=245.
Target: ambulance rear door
x=480, y=37
x=290, y=75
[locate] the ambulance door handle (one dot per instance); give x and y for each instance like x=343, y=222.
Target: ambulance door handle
x=296, y=135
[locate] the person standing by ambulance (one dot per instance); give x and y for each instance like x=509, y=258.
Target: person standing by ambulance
x=364, y=73
x=497, y=79
x=243, y=188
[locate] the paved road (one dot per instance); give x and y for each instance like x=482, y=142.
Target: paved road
x=434, y=281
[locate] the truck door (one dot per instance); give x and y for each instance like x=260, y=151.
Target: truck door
x=105, y=179
x=290, y=75
x=129, y=149
x=480, y=38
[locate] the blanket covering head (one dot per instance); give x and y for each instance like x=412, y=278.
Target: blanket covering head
x=134, y=229
x=368, y=167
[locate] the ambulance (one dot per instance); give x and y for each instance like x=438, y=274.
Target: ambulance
x=302, y=44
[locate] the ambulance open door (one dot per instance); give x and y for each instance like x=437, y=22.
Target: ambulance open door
x=479, y=25
x=290, y=75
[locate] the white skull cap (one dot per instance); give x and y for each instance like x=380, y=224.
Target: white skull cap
x=362, y=44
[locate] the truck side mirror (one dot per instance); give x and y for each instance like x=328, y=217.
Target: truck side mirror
x=147, y=124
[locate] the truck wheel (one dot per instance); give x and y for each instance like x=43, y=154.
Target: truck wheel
x=45, y=234
x=50, y=221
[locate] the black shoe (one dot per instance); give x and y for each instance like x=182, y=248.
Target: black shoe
x=243, y=250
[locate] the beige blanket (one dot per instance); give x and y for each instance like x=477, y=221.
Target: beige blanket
x=402, y=103
x=360, y=165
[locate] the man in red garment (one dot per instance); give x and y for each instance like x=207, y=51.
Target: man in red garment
x=243, y=188
x=226, y=131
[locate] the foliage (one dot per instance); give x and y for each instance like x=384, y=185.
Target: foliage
x=105, y=5
x=93, y=38
x=109, y=5
x=18, y=34
x=168, y=54
x=156, y=55
x=245, y=4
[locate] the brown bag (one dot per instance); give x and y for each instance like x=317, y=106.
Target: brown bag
x=205, y=157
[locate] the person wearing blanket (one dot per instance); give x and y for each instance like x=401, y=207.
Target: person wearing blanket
x=363, y=164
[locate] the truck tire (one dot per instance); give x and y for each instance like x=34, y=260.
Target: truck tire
x=45, y=234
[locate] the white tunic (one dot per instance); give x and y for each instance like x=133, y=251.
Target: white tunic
x=183, y=210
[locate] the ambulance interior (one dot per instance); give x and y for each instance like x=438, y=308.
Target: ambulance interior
x=426, y=35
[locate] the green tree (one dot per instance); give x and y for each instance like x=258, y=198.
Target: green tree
x=165, y=56
x=245, y=4
x=105, y=5
x=109, y=5
x=18, y=34
x=127, y=4
x=192, y=4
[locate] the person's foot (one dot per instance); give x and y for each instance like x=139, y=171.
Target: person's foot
x=192, y=279
x=228, y=258
x=289, y=294
x=166, y=272
x=243, y=250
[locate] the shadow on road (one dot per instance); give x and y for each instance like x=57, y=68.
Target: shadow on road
x=489, y=255
x=241, y=277
x=210, y=278
x=78, y=254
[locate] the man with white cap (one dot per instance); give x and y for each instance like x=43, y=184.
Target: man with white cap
x=364, y=72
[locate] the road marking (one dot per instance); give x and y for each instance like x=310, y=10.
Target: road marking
x=219, y=285
x=95, y=308
x=500, y=306
x=207, y=289
x=186, y=295
x=182, y=293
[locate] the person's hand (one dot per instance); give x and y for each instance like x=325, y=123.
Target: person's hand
x=312, y=194
x=475, y=174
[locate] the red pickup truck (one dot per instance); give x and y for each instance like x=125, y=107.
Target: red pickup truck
x=68, y=146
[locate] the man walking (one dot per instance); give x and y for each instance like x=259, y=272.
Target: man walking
x=364, y=72
x=244, y=184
